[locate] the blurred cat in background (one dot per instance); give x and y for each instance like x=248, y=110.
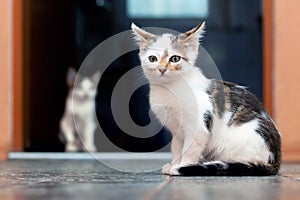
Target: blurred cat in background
x=78, y=123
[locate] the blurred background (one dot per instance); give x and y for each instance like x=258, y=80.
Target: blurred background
x=50, y=36
x=59, y=34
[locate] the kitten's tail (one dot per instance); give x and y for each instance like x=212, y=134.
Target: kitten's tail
x=220, y=168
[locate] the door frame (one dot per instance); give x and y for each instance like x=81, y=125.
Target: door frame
x=268, y=52
x=18, y=142
x=18, y=73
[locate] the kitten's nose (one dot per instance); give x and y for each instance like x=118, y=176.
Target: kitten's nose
x=162, y=71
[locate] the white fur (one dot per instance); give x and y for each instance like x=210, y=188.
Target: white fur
x=237, y=143
x=184, y=101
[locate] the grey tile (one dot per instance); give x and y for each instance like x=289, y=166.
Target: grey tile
x=88, y=179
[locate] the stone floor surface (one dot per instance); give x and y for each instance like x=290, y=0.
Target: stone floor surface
x=90, y=179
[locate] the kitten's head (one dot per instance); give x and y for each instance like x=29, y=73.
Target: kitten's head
x=166, y=57
x=82, y=87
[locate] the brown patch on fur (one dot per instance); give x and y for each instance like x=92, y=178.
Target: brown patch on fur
x=217, y=95
x=227, y=100
x=226, y=96
x=164, y=60
x=241, y=115
x=177, y=67
x=173, y=67
x=244, y=105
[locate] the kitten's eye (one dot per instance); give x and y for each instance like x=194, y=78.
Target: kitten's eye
x=152, y=58
x=175, y=59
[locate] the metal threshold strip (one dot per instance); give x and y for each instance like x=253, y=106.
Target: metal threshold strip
x=89, y=156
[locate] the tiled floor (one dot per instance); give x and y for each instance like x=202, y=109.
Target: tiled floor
x=89, y=179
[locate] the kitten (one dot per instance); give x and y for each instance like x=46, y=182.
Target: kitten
x=218, y=128
x=78, y=122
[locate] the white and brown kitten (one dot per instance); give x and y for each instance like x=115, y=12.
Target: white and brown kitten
x=78, y=122
x=218, y=128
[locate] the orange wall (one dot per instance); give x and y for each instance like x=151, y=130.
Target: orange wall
x=287, y=75
x=5, y=77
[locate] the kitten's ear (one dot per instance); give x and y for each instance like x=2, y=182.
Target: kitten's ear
x=141, y=36
x=193, y=35
x=96, y=77
x=71, y=76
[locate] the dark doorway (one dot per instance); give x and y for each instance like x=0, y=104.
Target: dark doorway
x=59, y=34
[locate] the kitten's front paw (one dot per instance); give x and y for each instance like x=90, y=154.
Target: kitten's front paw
x=171, y=170
x=174, y=169
x=90, y=149
x=166, y=168
x=70, y=147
